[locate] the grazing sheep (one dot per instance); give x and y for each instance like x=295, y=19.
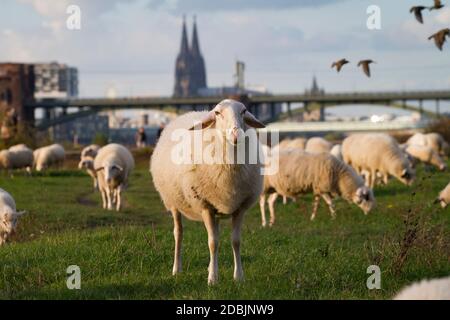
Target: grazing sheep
x=19, y=147
x=432, y=140
x=46, y=157
x=90, y=151
x=444, y=197
x=8, y=216
x=426, y=155
x=318, y=145
x=336, y=151
x=18, y=157
x=87, y=163
x=321, y=174
x=212, y=191
x=434, y=289
x=113, y=165
x=377, y=153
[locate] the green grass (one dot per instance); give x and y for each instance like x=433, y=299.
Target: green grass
x=128, y=255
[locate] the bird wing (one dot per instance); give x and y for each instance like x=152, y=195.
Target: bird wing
x=438, y=41
x=418, y=14
x=437, y=3
x=334, y=65
x=366, y=69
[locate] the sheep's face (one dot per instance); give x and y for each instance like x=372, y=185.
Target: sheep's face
x=86, y=164
x=407, y=176
x=364, y=199
x=112, y=173
x=9, y=220
x=230, y=117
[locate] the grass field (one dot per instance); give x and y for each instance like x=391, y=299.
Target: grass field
x=128, y=255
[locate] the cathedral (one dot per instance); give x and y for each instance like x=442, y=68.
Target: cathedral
x=190, y=71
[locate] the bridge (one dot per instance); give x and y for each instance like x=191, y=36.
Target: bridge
x=90, y=106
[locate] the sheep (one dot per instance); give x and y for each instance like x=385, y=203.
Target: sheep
x=319, y=173
x=17, y=158
x=318, y=145
x=426, y=155
x=444, y=197
x=208, y=191
x=432, y=140
x=87, y=163
x=297, y=143
x=8, y=216
x=113, y=165
x=434, y=289
x=336, y=151
x=90, y=151
x=377, y=153
x=48, y=156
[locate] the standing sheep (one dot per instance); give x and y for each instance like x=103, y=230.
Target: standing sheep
x=87, y=163
x=18, y=157
x=377, y=153
x=318, y=145
x=321, y=174
x=46, y=157
x=426, y=155
x=434, y=289
x=210, y=191
x=444, y=197
x=90, y=151
x=113, y=165
x=8, y=216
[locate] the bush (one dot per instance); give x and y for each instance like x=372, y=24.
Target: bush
x=441, y=126
x=100, y=139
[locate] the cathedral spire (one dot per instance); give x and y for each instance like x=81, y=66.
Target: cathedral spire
x=184, y=38
x=195, y=50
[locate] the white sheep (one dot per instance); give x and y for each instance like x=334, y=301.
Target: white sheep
x=318, y=173
x=113, y=165
x=426, y=155
x=90, y=151
x=45, y=157
x=432, y=140
x=18, y=157
x=297, y=143
x=434, y=289
x=336, y=151
x=208, y=191
x=318, y=145
x=377, y=153
x=444, y=197
x=87, y=163
x=8, y=216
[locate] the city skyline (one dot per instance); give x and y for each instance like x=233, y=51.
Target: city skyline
x=282, y=44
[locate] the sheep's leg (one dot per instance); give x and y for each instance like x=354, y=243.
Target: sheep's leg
x=329, y=200
x=178, y=235
x=315, y=206
x=119, y=198
x=284, y=200
x=262, y=207
x=237, y=220
x=272, y=198
x=28, y=169
x=104, y=198
x=109, y=195
x=373, y=179
x=212, y=226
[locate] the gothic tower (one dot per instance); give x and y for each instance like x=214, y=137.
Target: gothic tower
x=190, y=71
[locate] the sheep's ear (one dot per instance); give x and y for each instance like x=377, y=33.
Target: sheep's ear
x=250, y=120
x=99, y=169
x=118, y=167
x=207, y=121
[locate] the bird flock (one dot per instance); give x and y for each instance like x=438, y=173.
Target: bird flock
x=439, y=37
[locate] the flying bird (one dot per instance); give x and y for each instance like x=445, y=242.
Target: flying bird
x=437, y=5
x=418, y=12
x=339, y=64
x=440, y=37
x=366, y=66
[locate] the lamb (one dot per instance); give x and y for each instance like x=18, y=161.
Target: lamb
x=318, y=145
x=87, y=163
x=19, y=157
x=432, y=140
x=210, y=191
x=444, y=197
x=323, y=175
x=434, y=289
x=336, y=151
x=113, y=165
x=90, y=151
x=377, y=153
x=48, y=156
x=426, y=155
x=8, y=216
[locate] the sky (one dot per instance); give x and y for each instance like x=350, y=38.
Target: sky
x=130, y=46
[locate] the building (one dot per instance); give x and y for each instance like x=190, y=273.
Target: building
x=82, y=130
x=315, y=89
x=17, y=86
x=190, y=70
x=54, y=80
